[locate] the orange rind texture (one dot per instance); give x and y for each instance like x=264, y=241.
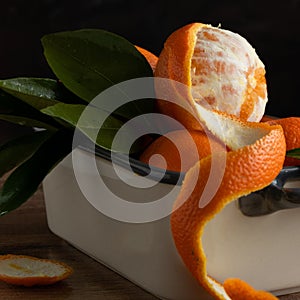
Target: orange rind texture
x=254, y=162
x=181, y=149
x=237, y=289
x=220, y=69
x=291, y=129
x=150, y=57
x=30, y=271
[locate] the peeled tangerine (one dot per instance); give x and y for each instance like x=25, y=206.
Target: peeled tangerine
x=223, y=87
x=221, y=69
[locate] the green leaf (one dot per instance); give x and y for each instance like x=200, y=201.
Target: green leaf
x=97, y=125
x=15, y=151
x=25, y=179
x=89, y=61
x=295, y=153
x=15, y=111
x=23, y=121
x=38, y=92
x=11, y=105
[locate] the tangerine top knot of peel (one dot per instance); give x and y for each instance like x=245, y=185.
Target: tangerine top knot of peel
x=219, y=68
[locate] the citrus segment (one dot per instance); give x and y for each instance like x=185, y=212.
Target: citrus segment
x=219, y=67
x=181, y=149
x=255, y=161
x=29, y=271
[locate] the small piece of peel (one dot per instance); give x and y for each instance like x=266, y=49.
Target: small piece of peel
x=240, y=290
x=29, y=271
x=291, y=129
x=150, y=57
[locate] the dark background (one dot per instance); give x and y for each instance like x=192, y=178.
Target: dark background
x=272, y=28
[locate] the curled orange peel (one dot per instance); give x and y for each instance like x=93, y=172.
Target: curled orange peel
x=257, y=156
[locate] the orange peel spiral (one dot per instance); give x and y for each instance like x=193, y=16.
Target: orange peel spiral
x=256, y=159
x=224, y=89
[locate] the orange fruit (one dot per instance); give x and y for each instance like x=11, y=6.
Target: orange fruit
x=181, y=149
x=291, y=129
x=219, y=69
x=256, y=159
x=29, y=271
x=151, y=58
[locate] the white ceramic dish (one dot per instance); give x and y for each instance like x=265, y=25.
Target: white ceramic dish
x=262, y=250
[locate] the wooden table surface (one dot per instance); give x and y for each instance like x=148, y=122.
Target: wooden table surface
x=25, y=231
